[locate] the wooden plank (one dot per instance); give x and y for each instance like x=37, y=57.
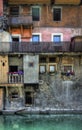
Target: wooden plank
x=74, y=2
x=11, y=85
x=28, y=2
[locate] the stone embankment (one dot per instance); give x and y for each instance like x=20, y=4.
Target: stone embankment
x=40, y=111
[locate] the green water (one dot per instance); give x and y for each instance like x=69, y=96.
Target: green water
x=42, y=122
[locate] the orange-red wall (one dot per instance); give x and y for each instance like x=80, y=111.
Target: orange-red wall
x=1, y=7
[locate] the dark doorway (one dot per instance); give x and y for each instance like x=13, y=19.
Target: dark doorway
x=28, y=98
x=15, y=45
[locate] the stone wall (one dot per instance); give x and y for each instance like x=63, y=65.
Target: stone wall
x=60, y=92
x=55, y=90
x=1, y=98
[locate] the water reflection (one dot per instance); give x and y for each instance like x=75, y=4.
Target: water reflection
x=36, y=122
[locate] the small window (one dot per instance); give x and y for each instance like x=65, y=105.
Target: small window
x=35, y=38
x=52, y=68
x=57, y=14
x=31, y=64
x=52, y=59
x=14, y=95
x=13, y=68
x=15, y=39
x=67, y=68
x=35, y=13
x=42, y=59
x=42, y=68
x=57, y=38
x=14, y=10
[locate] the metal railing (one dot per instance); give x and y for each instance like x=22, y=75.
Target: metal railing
x=40, y=47
x=20, y=20
x=46, y=47
x=15, y=78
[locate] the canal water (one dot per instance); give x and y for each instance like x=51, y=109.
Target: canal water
x=41, y=122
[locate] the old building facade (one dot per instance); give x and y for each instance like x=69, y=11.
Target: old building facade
x=41, y=54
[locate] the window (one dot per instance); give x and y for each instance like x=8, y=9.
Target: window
x=14, y=10
x=35, y=38
x=52, y=68
x=52, y=59
x=15, y=39
x=57, y=38
x=35, y=13
x=14, y=95
x=42, y=60
x=31, y=64
x=57, y=14
x=68, y=68
x=13, y=68
x=42, y=68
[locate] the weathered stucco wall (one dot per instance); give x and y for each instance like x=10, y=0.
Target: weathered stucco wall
x=55, y=90
x=61, y=91
x=67, y=33
x=31, y=71
x=1, y=7
x=3, y=69
x=16, y=61
x=5, y=38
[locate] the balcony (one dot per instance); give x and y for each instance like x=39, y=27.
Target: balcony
x=46, y=47
x=40, y=47
x=15, y=77
x=20, y=20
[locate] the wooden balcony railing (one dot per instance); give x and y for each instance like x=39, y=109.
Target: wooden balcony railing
x=15, y=78
x=46, y=47
x=40, y=47
x=20, y=20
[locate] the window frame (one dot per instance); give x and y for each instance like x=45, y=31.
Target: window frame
x=39, y=37
x=11, y=7
x=41, y=60
x=58, y=7
x=52, y=59
x=14, y=95
x=56, y=34
x=39, y=12
x=52, y=64
x=68, y=65
x=14, y=67
x=45, y=68
x=31, y=64
x=16, y=36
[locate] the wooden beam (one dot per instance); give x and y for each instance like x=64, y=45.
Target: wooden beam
x=73, y=2
x=10, y=30
x=29, y=2
x=31, y=31
x=22, y=30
